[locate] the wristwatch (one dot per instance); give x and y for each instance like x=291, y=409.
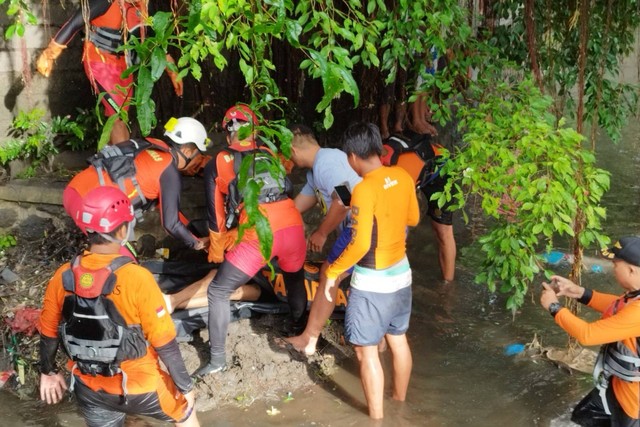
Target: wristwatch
x=554, y=308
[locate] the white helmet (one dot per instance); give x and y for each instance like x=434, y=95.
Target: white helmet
x=187, y=130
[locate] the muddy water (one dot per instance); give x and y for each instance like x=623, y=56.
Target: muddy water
x=458, y=335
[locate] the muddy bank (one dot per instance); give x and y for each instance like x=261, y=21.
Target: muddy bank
x=258, y=368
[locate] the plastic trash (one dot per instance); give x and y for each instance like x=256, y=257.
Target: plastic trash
x=553, y=257
x=513, y=349
x=596, y=268
x=163, y=253
x=589, y=264
x=25, y=320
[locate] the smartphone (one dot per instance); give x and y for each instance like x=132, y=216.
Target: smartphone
x=554, y=286
x=344, y=195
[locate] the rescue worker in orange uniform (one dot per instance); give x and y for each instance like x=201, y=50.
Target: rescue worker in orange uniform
x=109, y=315
x=420, y=161
x=244, y=259
x=109, y=25
x=383, y=206
x=615, y=401
x=157, y=176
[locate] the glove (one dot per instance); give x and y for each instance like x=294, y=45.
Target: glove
x=177, y=82
x=175, y=79
x=219, y=242
x=216, y=246
x=230, y=239
x=44, y=65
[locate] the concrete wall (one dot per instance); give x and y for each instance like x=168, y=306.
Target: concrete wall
x=26, y=202
x=22, y=87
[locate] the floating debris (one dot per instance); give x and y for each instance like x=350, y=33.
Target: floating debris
x=273, y=411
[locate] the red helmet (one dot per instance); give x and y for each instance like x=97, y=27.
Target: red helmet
x=71, y=201
x=238, y=113
x=102, y=210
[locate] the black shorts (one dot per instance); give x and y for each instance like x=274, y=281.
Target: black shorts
x=441, y=215
x=590, y=412
x=395, y=91
x=101, y=409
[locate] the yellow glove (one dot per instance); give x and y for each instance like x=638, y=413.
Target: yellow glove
x=44, y=65
x=216, y=246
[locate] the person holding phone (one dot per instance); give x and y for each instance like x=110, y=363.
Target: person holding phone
x=329, y=176
x=615, y=400
x=383, y=205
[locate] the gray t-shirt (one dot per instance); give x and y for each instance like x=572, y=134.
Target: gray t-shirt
x=330, y=168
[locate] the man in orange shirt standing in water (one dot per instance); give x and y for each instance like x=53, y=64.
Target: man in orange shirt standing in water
x=383, y=204
x=615, y=401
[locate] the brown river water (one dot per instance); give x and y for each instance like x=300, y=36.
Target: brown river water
x=458, y=335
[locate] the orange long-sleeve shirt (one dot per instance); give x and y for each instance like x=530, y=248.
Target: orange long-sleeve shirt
x=383, y=204
x=139, y=301
x=159, y=180
x=218, y=176
x=624, y=326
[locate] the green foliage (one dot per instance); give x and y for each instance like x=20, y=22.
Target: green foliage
x=7, y=241
x=531, y=176
x=19, y=15
x=332, y=37
x=611, y=37
x=76, y=134
x=250, y=184
x=35, y=139
x=30, y=138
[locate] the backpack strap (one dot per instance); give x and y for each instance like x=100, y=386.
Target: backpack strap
x=400, y=143
x=117, y=263
x=233, y=200
x=68, y=280
x=69, y=276
x=237, y=158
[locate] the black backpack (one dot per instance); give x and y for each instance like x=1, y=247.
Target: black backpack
x=118, y=161
x=93, y=332
x=273, y=188
x=423, y=146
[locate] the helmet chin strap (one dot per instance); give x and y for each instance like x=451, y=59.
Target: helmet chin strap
x=176, y=148
x=128, y=236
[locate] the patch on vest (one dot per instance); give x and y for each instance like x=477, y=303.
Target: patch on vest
x=86, y=280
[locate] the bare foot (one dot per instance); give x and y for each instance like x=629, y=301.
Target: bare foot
x=424, y=127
